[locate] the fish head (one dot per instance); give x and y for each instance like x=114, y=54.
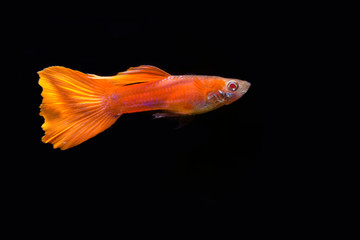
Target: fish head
x=234, y=89
x=228, y=91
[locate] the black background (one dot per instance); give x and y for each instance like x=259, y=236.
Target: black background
x=240, y=158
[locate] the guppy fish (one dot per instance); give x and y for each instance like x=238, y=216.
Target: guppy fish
x=77, y=106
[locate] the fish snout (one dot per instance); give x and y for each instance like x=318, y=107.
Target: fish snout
x=244, y=86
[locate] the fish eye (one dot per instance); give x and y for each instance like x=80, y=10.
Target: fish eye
x=233, y=86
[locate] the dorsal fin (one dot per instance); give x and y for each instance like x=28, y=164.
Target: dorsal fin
x=140, y=74
x=145, y=69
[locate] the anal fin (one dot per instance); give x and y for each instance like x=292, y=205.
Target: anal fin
x=183, y=120
x=165, y=115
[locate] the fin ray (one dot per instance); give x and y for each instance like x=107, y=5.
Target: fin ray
x=140, y=74
x=75, y=107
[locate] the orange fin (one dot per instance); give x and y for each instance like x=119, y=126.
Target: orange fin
x=201, y=87
x=75, y=107
x=140, y=74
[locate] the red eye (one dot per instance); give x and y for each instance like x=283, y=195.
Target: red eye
x=232, y=86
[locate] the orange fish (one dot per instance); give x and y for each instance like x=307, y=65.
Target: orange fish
x=77, y=106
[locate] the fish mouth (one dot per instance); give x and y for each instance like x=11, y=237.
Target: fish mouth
x=245, y=86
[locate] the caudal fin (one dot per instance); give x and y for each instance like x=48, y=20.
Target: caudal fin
x=75, y=107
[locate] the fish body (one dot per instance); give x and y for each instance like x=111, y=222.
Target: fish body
x=78, y=106
x=177, y=94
